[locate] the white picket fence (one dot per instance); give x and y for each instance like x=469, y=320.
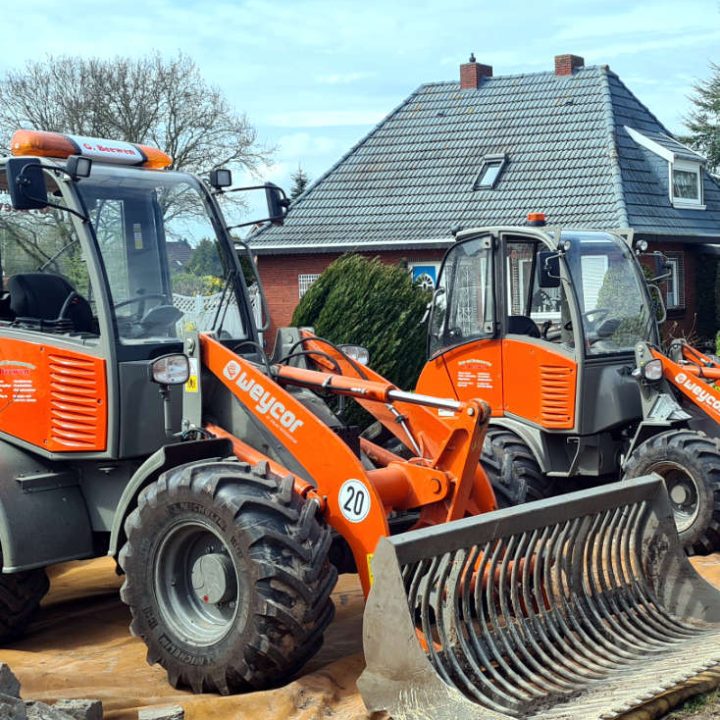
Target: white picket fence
x=201, y=310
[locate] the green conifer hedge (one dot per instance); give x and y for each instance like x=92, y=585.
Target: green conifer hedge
x=366, y=302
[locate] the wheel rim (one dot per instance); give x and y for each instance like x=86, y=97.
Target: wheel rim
x=197, y=583
x=683, y=492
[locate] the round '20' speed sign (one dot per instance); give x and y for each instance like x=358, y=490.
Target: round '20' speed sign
x=354, y=500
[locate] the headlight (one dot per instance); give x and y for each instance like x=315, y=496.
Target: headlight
x=170, y=370
x=357, y=353
x=653, y=370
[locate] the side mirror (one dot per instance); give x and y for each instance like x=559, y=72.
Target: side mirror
x=659, y=266
x=548, y=269
x=26, y=184
x=277, y=203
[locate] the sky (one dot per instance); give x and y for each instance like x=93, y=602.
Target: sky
x=315, y=76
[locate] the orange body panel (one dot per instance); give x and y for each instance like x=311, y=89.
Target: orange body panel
x=539, y=385
x=473, y=370
x=53, y=398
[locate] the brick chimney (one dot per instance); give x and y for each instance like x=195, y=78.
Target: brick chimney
x=566, y=64
x=472, y=72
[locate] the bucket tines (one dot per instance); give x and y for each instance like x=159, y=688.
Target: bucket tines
x=578, y=606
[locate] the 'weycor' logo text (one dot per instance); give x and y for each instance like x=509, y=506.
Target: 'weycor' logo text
x=265, y=402
x=703, y=396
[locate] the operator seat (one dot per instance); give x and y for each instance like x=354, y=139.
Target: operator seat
x=522, y=325
x=41, y=296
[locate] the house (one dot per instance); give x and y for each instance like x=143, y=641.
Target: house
x=574, y=143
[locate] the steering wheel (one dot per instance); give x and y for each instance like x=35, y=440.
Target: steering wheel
x=602, y=311
x=138, y=299
x=66, y=304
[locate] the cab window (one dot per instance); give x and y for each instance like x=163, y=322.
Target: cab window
x=45, y=282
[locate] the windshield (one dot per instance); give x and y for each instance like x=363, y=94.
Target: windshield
x=610, y=292
x=166, y=269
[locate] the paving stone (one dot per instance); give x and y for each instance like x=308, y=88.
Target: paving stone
x=166, y=712
x=81, y=709
x=12, y=708
x=9, y=684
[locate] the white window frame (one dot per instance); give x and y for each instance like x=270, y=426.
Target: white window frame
x=675, y=284
x=674, y=163
x=305, y=280
x=689, y=167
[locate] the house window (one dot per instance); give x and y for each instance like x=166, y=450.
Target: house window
x=490, y=171
x=675, y=284
x=686, y=184
x=305, y=281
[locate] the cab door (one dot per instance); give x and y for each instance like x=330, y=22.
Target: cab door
x=465, y=356
x=539, y=368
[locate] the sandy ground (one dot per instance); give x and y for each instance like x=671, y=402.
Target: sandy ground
x=79, y=646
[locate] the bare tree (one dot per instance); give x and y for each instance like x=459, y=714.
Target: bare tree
x=150, y=100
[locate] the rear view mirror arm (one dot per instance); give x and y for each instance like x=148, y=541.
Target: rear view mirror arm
x=72, y=211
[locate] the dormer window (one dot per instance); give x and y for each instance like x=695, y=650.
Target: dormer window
x=685, y=167
x=490, y=172
x=686, y=183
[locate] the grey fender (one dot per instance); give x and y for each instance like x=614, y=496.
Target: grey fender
x=43, y=516
x=532, y=437
x=165, y=458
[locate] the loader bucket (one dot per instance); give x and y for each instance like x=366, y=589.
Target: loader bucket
x=581, y=606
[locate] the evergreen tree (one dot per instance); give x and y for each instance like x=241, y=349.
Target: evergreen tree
x=300, y=182
x=366, y=302
x=704, y=121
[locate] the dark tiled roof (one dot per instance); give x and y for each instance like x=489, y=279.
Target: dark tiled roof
x=411, y=179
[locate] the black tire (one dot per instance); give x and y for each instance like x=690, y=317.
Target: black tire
x=689, y=462
x=20, y=596
x=227, y=576
x=512, y=469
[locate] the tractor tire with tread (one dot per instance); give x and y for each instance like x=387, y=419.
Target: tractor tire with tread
x=20, y=596
x=689, y=462
x=227, y=576
x=512, y=469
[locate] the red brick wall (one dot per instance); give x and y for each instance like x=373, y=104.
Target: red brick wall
x=681, y=320
x=279, y=275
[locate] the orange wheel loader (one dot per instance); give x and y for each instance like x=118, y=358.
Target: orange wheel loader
x=140, y=418
x=558, y=332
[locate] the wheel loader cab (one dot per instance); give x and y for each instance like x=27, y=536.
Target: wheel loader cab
x=104, y=277
x=540, y=325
